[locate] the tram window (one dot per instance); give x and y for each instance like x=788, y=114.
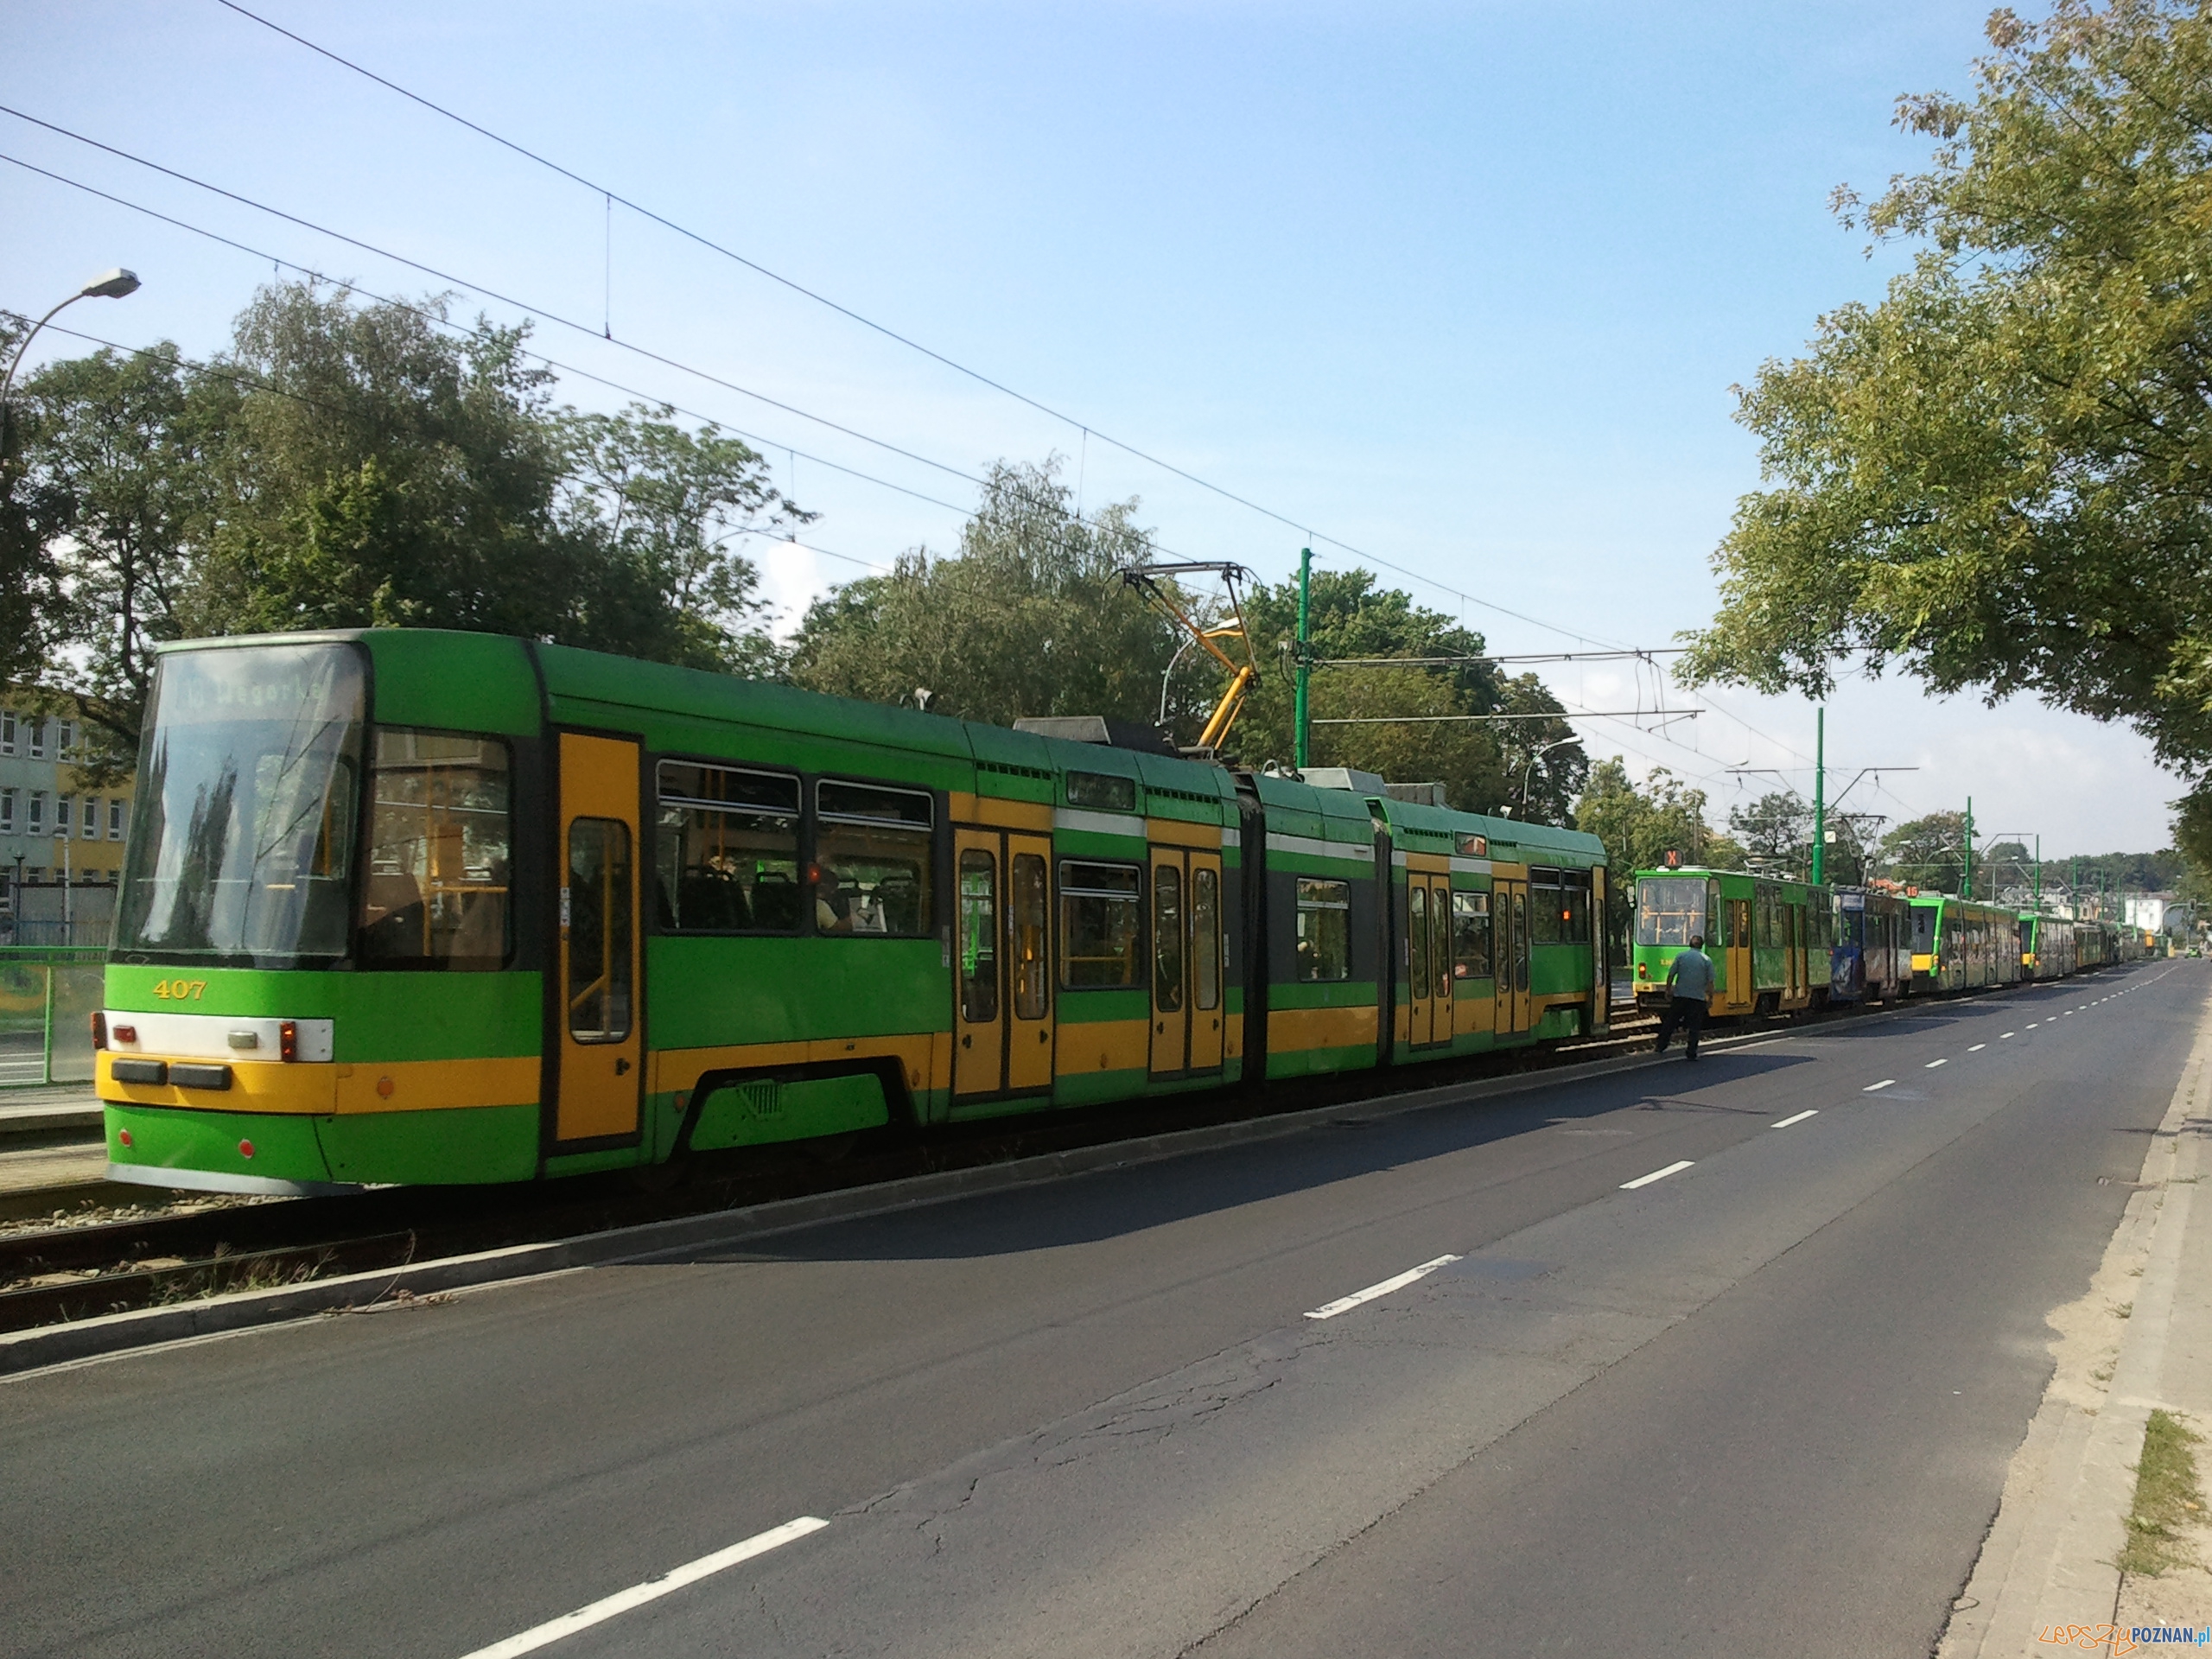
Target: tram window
x=1032, y=916
x=1470, y=936
x=1205, y=936
x=1167, y=938
x=1102, y=921
x=1417, y=939
x=979, y=953
x=1323, y=930
x=1574, y=907
x=1668, y=909
x=871, y=861
x=441, y=832
x=1545, y=906
x=597, y=924
x=1103, y=791
x=727, y=854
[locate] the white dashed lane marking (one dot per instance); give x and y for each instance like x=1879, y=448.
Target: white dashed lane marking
x=1977, y=1048
x=1398, y=1282
x=651, y=1590
x=1656, y=1175
x=1932, y=1065
x=1871, y=1087
x=1800, y=1118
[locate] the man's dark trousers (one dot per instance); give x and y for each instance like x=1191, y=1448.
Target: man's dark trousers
x=1689, y=1012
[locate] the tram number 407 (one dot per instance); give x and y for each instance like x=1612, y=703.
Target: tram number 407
x=179, y=990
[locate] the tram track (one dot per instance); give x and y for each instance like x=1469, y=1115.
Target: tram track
x=62, y=1274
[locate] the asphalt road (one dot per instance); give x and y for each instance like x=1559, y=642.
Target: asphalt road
x=1762, y=1404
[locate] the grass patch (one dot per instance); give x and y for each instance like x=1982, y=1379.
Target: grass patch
x=2166, y=1498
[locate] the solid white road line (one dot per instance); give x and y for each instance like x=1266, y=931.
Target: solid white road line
x=1871, y=1087
x=1932, y=1065
x=1976, y=1048
x=651, y=1590
x=1655, y=1175
x=1800, y=1118
x=1345, y=1304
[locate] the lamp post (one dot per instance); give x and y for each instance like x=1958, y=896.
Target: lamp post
x=111, y=285
x=1528, y=770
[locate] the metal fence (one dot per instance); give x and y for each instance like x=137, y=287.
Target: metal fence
x=47, y=997
x=81, y=914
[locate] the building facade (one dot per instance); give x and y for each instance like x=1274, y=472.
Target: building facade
x=55, y=828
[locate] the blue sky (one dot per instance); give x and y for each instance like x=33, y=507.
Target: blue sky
x=1466, y=287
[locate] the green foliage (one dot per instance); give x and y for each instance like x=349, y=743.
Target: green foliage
x=1482, y=765
x=1776, y=831
x=1926, y=853
x=357, y=466
x=1030, y=618
x=1995, y=477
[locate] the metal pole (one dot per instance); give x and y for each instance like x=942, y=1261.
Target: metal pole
x=45, y=1036
x=1967, y=884
x=1820, y=795
x=2038, y=892
x=1302, y=743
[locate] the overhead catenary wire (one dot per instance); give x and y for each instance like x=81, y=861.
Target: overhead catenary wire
x=1075, y=423
x=523, y=306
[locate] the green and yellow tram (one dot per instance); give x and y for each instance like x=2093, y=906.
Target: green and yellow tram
x=1960, y=945
x=405, y=905
x=1771, y=940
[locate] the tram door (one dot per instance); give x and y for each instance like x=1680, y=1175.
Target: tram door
x=1003, y=968
x=1187, y=962
x=1428, y=958
x=1509, y=918
x=1742, y=990
x=601, y=1047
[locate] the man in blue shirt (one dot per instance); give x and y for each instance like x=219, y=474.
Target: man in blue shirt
x=1690, y=985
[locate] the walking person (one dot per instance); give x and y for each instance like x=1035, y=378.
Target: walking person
x=1689, y=987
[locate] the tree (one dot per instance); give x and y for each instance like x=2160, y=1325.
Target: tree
x=360, y=465
x=1482, y=765
x=1640, y=827
x=1927, y=853
x=1029, y=618
x=1776, y=831
x=29, y=604
x=1996, y=477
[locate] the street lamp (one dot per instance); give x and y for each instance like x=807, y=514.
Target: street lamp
x=112, y=285
x=1528, y=771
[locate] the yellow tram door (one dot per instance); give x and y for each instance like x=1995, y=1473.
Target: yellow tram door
x=1428, y=958
x=1509, y=918
x=599, y=1074
x=979, y=1006
x=1171, y=991
x=1742, y=991
x=1029, y=960
x=1209, y=957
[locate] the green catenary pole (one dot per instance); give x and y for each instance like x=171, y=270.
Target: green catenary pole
x=1967, y=885
x=1821, y=795
x=1301, y=742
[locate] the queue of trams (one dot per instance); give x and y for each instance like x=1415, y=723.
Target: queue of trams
x=414, y=907
x=1780, y=946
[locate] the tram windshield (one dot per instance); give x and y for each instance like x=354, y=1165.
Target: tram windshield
x=1668, y=909
x=242, y=839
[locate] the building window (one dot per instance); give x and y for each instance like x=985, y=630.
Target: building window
x=38, y=737
x=65, y=737
x=114, y=818
x=38, y=812
x=7, y=731
x=61, y=816
x=89, y=821
x=7, y=811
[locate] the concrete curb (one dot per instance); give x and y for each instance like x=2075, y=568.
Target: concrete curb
x=2050, y=1556
x=23, y=1352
